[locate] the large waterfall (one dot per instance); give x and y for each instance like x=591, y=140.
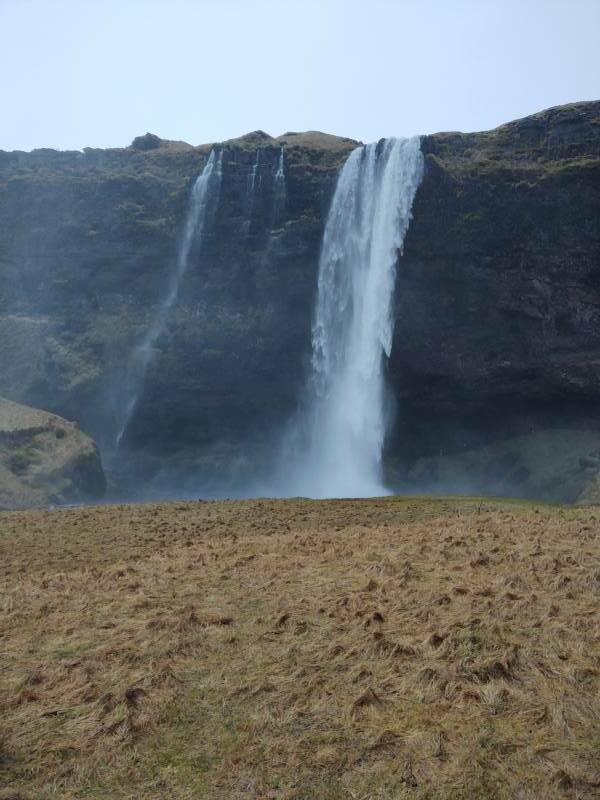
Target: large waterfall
x=345, y=421
x=203, y=198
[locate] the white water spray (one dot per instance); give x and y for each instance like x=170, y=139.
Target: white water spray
x=203, y=198
x=346, y=422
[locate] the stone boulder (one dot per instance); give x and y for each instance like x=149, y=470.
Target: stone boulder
x=44, y=460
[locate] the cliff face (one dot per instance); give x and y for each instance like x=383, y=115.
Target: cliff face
x=497, y=301
x=87, y=245
x=498, y=295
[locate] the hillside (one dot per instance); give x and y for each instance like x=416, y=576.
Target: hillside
x=427, y=649
x=45, y=460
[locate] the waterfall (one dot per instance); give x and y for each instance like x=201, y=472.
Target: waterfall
x=279, y=190
x=345, y=421
x=253, y=185
x=203, y=198
x=253, y=175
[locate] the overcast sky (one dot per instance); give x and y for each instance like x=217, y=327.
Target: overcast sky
x=87, y=73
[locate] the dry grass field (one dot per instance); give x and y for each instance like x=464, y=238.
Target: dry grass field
x=444, y=649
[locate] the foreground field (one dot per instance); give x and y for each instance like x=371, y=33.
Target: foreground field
x=440, y=649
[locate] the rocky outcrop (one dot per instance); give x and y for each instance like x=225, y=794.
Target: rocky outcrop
x=45, y=460
x=497, y=302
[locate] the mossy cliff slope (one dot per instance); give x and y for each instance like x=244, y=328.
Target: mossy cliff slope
x=497, y=302
x=44, y=459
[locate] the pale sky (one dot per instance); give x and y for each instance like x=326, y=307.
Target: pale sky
x=96, y=74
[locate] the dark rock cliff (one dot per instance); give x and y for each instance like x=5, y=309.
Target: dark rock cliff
x=498, y=292
x=498, y=295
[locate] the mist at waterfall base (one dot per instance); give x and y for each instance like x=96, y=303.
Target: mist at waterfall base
x=332, y=446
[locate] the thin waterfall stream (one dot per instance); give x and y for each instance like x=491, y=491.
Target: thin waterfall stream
x=203, y=199
x=279, y=189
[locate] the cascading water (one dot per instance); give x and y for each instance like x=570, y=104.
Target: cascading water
x=279, y=190
x=253, y=185
x=204, y=196
x=345, y=422
x=252, y=178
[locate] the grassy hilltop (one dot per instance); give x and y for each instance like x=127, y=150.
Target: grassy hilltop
x=440, y=649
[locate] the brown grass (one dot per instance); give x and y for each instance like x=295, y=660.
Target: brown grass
x=427, y=649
